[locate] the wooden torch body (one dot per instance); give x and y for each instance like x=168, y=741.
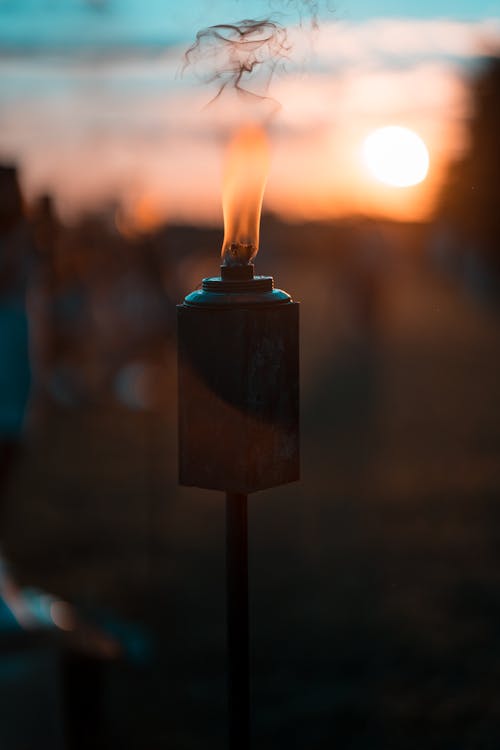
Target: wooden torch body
x=238, y=349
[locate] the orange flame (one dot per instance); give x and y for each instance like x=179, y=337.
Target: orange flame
x=245, y=175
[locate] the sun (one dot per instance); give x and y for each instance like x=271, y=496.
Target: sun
x=396, y=156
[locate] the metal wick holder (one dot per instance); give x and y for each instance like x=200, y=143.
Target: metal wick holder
x=238, y=348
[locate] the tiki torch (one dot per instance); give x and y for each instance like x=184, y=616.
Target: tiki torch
x=238, y=354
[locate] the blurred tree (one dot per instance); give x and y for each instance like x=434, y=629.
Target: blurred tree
x=470, y=201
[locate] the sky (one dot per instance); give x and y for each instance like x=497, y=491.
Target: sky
x=93, y=106
x=95, y=23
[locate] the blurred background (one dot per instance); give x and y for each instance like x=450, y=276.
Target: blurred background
x=375, y=613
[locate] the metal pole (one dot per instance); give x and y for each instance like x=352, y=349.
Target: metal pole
x=237, y=621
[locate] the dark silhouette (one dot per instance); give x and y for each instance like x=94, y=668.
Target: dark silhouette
x=15, y=258
x=470, y=200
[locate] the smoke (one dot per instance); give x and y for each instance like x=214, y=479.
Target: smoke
x=310, y=8
x=241, y=57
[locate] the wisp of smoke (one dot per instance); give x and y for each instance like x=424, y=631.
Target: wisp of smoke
x=310, y=7
x=235, y=54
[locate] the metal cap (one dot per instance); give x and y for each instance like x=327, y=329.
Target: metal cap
x=222, y=292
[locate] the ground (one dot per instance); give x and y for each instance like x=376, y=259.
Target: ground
x=375, y=613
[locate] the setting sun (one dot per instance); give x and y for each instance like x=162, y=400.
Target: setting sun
x=396, y=156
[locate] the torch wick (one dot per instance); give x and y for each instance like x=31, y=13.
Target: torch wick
x=237, y=273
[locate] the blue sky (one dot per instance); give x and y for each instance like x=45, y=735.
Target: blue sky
x=71, y=24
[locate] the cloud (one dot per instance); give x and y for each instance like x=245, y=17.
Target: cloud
x=404, y=40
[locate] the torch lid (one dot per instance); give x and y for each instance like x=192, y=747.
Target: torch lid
x=222, y=293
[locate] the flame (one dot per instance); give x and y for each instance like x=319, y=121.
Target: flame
x=244, y=180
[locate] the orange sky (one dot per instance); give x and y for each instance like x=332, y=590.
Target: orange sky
x=132, y=131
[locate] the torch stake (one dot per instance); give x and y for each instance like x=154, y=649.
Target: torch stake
x=238, y=345
x=237, y=621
